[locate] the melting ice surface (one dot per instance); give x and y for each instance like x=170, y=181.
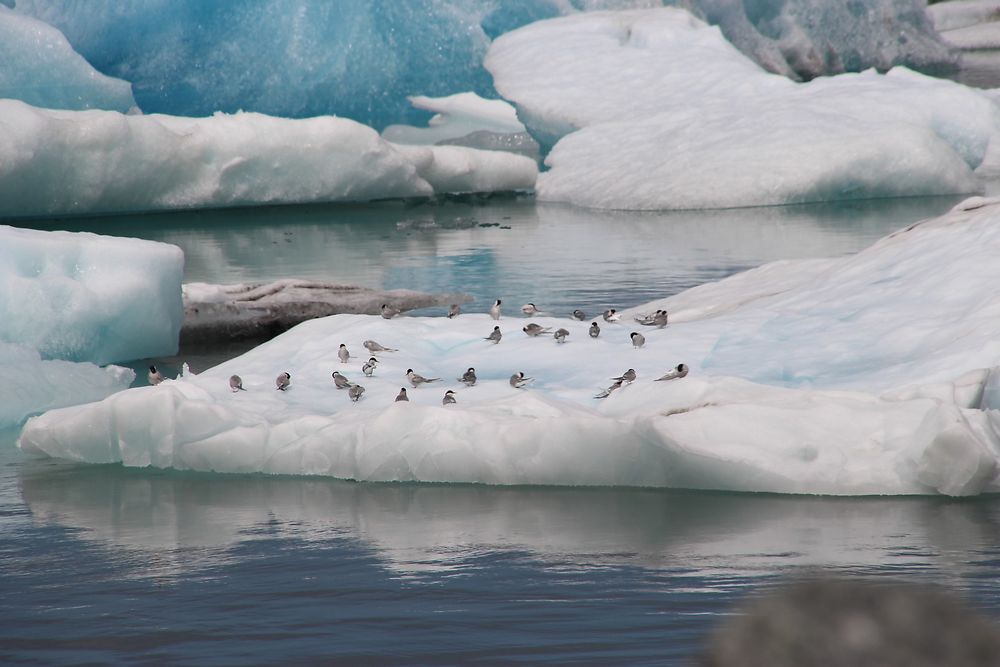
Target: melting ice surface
x=684, y=120
x=856, y=375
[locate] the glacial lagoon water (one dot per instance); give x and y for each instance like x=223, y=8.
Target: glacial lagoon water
x=101, y=564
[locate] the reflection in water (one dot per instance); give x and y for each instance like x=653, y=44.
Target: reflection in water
x=559, y=257
x=707, y=537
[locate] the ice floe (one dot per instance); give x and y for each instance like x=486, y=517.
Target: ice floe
x=856, y=375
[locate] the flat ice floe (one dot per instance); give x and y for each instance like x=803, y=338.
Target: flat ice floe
x=654, y=109
x=78, y=162
x=868, y=374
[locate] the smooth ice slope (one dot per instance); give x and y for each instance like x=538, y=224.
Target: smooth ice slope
x=858, y=375
x=32, y=385
x=682, y=120
x=41, y=68
x=360, y=60
x=73, y=162
x=84, y=297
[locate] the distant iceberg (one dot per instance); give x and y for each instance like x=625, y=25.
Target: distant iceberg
x=78, y=162
x=654, y=109
x=866, y=374
x=360, y=60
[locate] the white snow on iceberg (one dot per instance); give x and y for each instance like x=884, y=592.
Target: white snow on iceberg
x=41, y=68
x=84, y=297
x=75, y=162
x=683, y=120
x=860, y=375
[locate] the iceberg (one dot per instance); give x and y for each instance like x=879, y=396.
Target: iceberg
x=302, y=58
x=41, y=68
x=32, y=385
x=56, y=162
x=848, y=376
x=88, y=298
x=683, y=120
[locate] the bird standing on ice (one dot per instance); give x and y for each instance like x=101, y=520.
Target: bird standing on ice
x=594, y=330
x=449, y=398
x=401, y=396
x=355, y=392
x=679, y=371
x=560, y=335
x=495, y=310
x=517, y=380
x=417, y=380
x=154, y=376
x=343, y=354
x=495, y=336
x=282, y=381
x=638, y=340
x=529, y=309
x=235, y=383
x=369, y=366
x=389, y=312
x=468, y=378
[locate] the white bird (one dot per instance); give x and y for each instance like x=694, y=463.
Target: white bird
x=355, y=392
x=578, y=315
x=469, y=377
x=454, y=311
x=495, y=310
x=401, y=396
x=495, y=336
x=449, y=398
x=679, y=371
x=530, y=309
x=561, y=335
x=417, y=380
x=282, y=381
x=595, y=330
x=374, y=347
x=369, y=366
x=341, y=380
x=638, y=340
x=235, y=383
x=517, y=380
x=607, y=392
x=533, y=329
x=343, y=354
x=389, y=312
x=154, y=376
x=627, y=376
x=611, y=315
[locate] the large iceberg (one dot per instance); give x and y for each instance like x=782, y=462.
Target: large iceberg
x=360, y=60
x=41, y=68
x=83, y=297
x=78, y=162
x=869, y=374
x=681, y=119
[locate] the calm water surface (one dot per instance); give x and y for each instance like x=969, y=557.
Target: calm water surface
x=101, y=565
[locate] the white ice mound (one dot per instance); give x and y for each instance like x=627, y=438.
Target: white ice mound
x=32, y=385
x=41, y=68
x=860, y=375
x=654, y=109
x=455, y=116
x=84, y=297
x=72, y=162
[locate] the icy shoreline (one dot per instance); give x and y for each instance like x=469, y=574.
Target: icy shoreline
x=850, y=376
